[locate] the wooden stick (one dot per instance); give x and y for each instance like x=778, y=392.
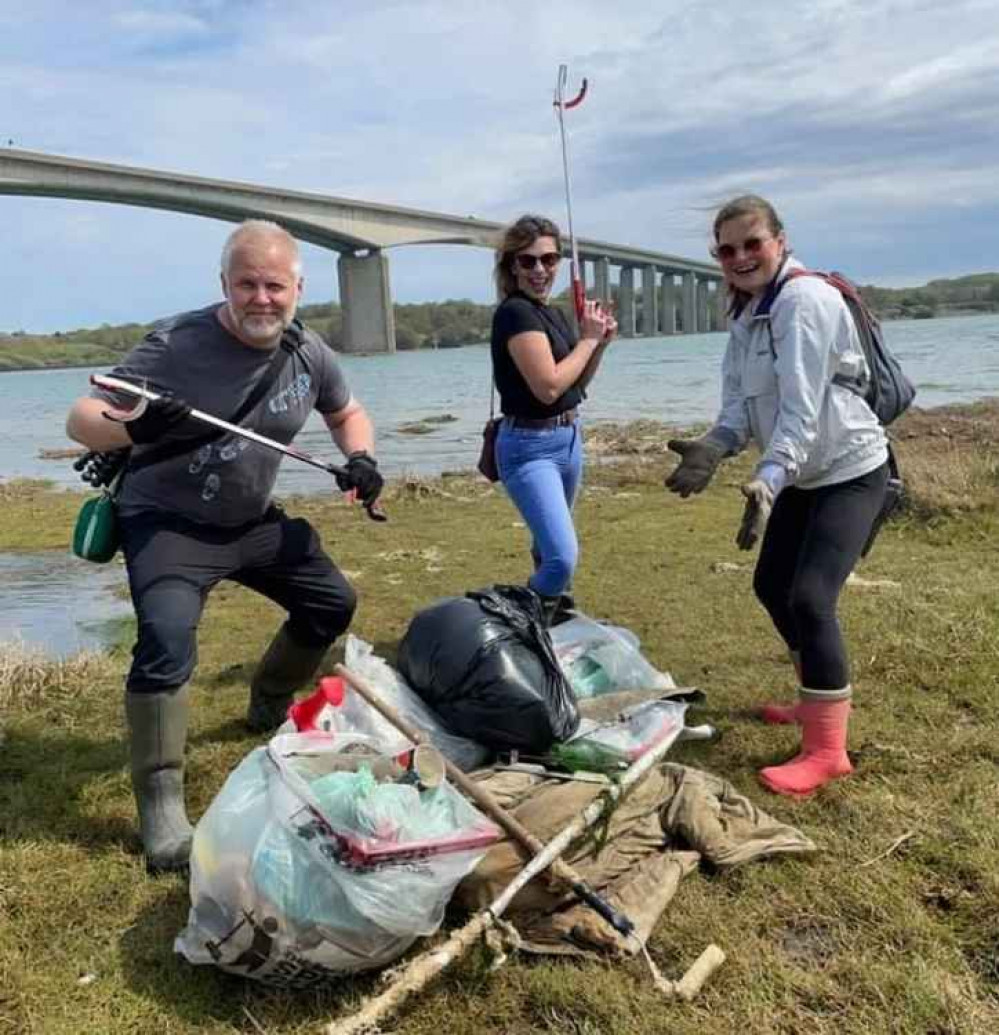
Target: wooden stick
x=700, y=970
x=423, y=968
x=516, y=830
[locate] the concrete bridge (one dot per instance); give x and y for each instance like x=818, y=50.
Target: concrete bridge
x=677, y=295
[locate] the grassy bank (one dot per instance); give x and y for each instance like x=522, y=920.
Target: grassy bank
x=893, y=927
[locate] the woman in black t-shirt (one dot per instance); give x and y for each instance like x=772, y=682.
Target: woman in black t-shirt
x=541, y=372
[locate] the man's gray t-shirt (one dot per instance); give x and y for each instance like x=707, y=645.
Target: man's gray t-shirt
x=229, y=481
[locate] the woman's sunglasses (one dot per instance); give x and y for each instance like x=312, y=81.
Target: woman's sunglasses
x=527, y=262
x=751, y=246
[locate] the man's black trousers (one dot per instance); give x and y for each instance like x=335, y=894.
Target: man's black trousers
x=173, y=564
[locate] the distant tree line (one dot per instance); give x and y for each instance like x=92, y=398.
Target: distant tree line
x=426, y=325
x=976, y=293
x=429, y=325
x=444, y=325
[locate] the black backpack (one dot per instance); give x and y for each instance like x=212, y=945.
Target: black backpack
x=887, y=390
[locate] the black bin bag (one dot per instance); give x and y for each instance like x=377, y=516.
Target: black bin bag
x=484, y=662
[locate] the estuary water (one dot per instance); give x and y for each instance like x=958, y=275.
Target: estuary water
x=428, y=408
x=669, y=379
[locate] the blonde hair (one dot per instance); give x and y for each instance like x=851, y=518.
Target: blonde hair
x=261, y=228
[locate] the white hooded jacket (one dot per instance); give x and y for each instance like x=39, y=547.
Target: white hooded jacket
x=778, y=389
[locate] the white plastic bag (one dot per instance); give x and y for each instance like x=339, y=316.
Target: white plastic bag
x=603, y=659
x=358, y=715
x=289, y=892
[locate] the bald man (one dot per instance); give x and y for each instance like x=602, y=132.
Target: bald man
x=195, y=506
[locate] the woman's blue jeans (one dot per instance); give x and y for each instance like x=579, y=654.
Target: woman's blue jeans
x=541, y=469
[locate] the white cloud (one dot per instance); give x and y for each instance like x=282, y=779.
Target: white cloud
x=159, y=24
x=860, y=118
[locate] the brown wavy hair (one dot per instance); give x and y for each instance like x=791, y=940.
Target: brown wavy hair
x=515, y=238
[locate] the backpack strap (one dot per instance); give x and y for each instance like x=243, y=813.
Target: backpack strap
x=854, y=302
x=291, y=342
x=762, y=310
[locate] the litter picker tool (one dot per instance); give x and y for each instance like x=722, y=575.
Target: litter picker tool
x=561, y=106
x=417, y=974
x=116, y=384
x=514, y=828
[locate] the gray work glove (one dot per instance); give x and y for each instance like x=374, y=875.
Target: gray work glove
x=759, y=503
x=700, y=458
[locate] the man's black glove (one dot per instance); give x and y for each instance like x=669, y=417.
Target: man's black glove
x=700, y=460
x=155, y=418
x=361, y=474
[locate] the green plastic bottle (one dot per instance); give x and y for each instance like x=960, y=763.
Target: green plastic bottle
x=582, y=755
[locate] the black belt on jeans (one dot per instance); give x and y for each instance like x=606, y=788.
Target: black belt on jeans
x=560, y=420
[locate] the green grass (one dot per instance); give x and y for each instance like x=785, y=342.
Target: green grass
x=893, y=927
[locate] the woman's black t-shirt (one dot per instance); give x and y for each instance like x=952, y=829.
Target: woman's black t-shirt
x=515, y=315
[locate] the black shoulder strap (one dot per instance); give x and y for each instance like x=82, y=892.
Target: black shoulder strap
x=291, y=341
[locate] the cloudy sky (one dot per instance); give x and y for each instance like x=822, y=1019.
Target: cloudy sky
x=872, y=124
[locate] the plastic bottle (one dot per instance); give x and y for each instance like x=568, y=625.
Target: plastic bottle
x=581, y=754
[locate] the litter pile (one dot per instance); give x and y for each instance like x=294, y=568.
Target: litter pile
x=334, y=847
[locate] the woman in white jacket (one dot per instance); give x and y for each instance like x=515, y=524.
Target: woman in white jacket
x=792, y=357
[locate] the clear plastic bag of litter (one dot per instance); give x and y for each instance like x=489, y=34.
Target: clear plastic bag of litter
x=603, y=659
x=306, y=866
x=637, y=730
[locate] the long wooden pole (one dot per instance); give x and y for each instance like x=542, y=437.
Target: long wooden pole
x=560, y=870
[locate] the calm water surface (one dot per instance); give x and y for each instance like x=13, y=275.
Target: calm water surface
x=669, y=379
x=56, y=602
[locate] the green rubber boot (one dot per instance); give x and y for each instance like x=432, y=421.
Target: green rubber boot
x=285, y=667
x=157, y=725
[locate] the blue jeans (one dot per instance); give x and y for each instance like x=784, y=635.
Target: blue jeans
x=541, y=469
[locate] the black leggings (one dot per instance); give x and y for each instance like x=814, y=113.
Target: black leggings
x=173, y=564
x=813, y=540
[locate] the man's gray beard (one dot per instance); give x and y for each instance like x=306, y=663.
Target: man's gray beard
x=254, y=327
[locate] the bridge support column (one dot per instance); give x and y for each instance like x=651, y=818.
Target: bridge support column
x=626, y=302
x=667, y=305
x=721, y=306
x=601, y=280
x=366, y=303
x=688, y=312
x=703, y=307
x=649, y=306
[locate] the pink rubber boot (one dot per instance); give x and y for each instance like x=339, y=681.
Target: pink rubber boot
x=823, y=754
x=782, y=714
